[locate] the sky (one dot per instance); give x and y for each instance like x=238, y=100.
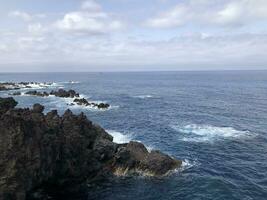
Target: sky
x=132, y=35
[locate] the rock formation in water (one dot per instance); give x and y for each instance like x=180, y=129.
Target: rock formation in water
x=84, y=102
x=16, y=86
x=60, y=93
x=65, y=94
x=44, y=155
x=35, y=93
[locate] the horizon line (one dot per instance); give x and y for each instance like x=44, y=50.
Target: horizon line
x=135, y=71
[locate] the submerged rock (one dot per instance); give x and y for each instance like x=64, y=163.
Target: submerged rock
x=51, y=155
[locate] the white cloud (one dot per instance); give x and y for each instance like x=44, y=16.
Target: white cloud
x=25, y=16
x=91, y=6
x=3, y=48
x=20, y=14
x=90, y=20
x=195, y=50
x=35, y=28
x=174, y=17
x=242, y=12
x=83, y=22
x=211, y=13
x=57, y=38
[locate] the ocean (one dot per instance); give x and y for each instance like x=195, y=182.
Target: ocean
x=216, y=122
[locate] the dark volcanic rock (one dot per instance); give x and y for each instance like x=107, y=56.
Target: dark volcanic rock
x=135, y=158
x=35, y=93
x=3, y=88
x=64, y=93
x=60, y=93
x=7, y=104
x=38, y=108
x=16, y=93
x=51, y=155
x=84, y=102
x=103, y=106
x=157, y=163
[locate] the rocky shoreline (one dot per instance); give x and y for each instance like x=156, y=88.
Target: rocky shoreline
x=46, y=155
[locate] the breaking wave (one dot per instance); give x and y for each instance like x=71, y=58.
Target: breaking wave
x=143, y=96
x=206, y=133
x=71, y=82
x=119, y=137
x=187, y=164
x=39, y=85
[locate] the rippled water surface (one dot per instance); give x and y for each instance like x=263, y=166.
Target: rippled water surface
x=216, y=122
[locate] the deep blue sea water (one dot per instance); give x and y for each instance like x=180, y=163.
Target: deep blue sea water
x=216, y=122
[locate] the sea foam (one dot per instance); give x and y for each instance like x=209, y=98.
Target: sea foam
x=209, y=133
x=143, y=96
x=119, y=137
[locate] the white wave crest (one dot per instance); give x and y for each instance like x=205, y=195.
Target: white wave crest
x=74, y=82
x=70, y=82
x=119, y=137
x=206, y=133
x=143, y=96
x=186, y=164
x=38, y=85
x=42, y=85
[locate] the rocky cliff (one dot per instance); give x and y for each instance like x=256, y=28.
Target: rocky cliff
x=43, y=155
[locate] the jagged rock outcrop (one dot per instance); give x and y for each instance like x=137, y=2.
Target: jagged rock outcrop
x=64, y=93
x=36, y=93
x=60, y=93
x=16, y=94
x=84, y=102
x=134, y=158
x=51, y=155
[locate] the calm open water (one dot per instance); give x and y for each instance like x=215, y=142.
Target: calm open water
x=216, y=122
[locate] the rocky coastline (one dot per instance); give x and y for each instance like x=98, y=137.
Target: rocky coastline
x=47, y=155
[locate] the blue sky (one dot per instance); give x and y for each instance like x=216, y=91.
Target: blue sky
x=132, y=35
